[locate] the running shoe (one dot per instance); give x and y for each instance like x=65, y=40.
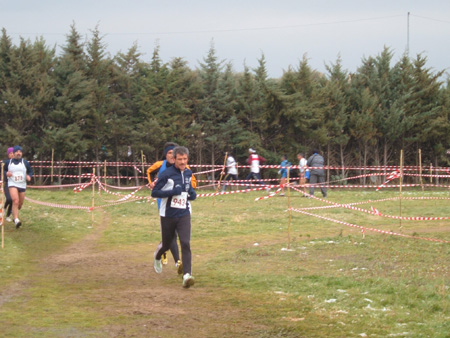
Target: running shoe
x=8, y=219
x=188, y=280
x=179, y=266
x=164, y=258
x=18, y=223
x=157, y=264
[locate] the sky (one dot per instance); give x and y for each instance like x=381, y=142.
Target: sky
x=284, y=31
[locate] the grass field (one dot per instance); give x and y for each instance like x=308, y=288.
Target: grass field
x=257, y=274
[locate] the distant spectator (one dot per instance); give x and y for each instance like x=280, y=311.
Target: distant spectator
x=303, y=169
x=317, y=174
x=232, y=172
x=254, y=160
x=284, y=171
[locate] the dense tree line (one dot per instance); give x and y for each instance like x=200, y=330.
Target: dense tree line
x=89, y=106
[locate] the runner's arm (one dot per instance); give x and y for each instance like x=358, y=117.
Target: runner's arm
x=153, y=170
x=29, y=169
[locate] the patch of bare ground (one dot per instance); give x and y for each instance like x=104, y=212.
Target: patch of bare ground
x=131, y=299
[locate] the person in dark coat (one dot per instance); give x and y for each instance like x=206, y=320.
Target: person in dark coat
x=317, y=173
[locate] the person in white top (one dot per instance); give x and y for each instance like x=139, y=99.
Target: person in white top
x=232, y=172
x=254, y=160
x=19, y=172
x=303, y=169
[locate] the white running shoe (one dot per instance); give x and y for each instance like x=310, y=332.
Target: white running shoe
x=157, y=264
x=18, y=223
x=8, y=219
x=188, y=280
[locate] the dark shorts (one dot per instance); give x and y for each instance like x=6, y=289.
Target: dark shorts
x=19, y=189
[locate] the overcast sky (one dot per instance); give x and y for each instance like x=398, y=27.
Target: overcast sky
x=284, y=30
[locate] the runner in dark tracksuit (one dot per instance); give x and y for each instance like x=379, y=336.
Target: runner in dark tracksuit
x=152, y=173
x=160, y=167
x=175, y=190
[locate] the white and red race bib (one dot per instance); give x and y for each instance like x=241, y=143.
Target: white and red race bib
x=179, y=201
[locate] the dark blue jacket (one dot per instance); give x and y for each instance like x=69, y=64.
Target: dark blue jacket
x=172, y=182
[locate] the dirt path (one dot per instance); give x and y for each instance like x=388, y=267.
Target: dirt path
x=130, y=299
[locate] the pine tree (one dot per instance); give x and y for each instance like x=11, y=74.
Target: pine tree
x=6, y=48
x=122, y=116
x=99, y=74
x=73, y=103
x=362, y=126
x=301, y=88
x=335, y=100
x=211, y=104
x=27, y=93
x=424, y=109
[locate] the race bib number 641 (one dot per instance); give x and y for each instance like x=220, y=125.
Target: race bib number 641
x=179, y=201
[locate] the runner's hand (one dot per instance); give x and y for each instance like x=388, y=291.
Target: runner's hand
x=177, y=190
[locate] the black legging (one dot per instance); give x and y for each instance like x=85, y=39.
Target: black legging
x=173, y=249
x=8, y=202
x=170, y=226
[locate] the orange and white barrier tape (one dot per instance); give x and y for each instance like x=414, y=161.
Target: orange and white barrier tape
x=56, y=205
x=38, y=163
x=120, y=188
x=242, y=182
x=206, y=186
x=234, y=192
x=83, y=175
x=268, y=196
x=206, y=172
x=374, y=211
x=128, y=196
x=355, y=186
x=369, y=168
x=363, y=229
x=427, y=175
x=81, y=187
x=53, y=186
x=392, y=176
x=65, y=206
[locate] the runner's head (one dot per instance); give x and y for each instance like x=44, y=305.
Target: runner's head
x=168, y=151
x=181, y=155
x=17, y=150
x=10, y=152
